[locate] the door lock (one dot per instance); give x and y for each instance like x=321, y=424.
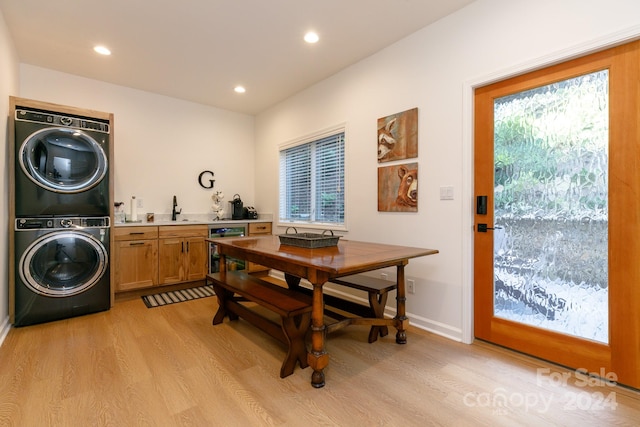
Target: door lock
x=481, y=205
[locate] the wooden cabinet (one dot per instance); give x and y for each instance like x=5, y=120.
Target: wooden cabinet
x=256, y=229
x=135, y=258
x=147, y=256
x=182, y=253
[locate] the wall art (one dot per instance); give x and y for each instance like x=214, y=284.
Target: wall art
x=398, y=188
x=398, y=136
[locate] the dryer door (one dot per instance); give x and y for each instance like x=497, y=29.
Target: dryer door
x=63, y=264
x=63, y=160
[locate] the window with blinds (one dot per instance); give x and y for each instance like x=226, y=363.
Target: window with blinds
x=312, y=180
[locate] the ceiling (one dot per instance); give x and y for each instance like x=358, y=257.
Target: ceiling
x=199, y=50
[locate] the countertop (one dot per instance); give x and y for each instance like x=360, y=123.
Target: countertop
x=190, y=221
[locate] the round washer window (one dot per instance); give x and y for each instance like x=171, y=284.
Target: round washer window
x=63, y=160
x=63, y=264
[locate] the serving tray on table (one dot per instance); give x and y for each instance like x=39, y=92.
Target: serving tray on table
x=308, y=240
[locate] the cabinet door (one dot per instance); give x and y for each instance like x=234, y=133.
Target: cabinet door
x=137, y=264
x=171, y=261
x=196, y=258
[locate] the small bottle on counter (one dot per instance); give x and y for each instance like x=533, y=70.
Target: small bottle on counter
x=119, y=216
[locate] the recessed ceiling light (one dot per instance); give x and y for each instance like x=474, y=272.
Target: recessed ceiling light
x=240, y=89
x=311, y=37
x=102, y=50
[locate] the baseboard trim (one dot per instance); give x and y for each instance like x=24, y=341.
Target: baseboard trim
x=429, y=325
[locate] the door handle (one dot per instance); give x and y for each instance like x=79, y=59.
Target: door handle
x=482, y=228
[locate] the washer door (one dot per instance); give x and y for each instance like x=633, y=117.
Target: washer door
x=63, y=160
x=63, y=264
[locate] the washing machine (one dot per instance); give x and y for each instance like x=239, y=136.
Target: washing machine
x=62, y=268
x=62, y=165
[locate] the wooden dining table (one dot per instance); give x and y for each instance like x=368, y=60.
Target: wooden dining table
x=318, y=266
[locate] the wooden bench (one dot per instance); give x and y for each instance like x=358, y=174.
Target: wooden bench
x=377, y=290
x=293, y=308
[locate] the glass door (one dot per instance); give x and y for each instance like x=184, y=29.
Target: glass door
x=550, y=198
x=557, y=185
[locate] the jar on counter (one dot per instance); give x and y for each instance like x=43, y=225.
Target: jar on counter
x=119, y=215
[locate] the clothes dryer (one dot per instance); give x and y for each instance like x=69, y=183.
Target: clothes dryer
x=62, y=164
x=62, y=268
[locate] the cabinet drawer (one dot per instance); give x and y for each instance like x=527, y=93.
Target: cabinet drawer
x=135, y=233
x=183, y=231
x=259, y=228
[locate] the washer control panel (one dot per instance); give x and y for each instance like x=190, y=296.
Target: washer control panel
x=65, y=222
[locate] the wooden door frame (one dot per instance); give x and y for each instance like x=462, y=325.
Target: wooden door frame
x=468, y=173
x=620, y=354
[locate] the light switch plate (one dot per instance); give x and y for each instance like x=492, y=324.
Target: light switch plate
x=446, y=193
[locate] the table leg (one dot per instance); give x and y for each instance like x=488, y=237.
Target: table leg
x=402, y=321
x=318, y=358
x=223, y=266
x=221, y=294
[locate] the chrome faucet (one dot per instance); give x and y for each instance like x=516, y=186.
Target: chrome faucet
x=175, y=212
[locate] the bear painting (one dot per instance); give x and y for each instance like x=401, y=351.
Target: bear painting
x=398, y=136
x=398, y=188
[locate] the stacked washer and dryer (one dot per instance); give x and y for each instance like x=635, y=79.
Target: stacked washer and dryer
x=62, y=210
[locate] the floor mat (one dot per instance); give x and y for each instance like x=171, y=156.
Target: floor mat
x=172, y=297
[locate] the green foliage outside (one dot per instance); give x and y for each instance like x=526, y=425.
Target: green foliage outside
x=551, y=150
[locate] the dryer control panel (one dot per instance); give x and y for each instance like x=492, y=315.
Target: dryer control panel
x=57, y=119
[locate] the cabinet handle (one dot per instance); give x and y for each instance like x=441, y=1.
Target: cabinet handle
x=136, y=233
x=136, y=243
x=182, y=247
x=187, y=246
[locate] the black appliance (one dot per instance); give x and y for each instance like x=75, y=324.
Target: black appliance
x=236, y=207
x=225, y=230
x=61, y=268
x=250, y=213
x=61, y=164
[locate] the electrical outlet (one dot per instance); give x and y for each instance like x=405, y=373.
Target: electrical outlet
x=411, y=286
x=139, y=203
x=383, y=276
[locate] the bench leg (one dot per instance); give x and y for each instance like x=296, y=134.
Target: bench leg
x=377, y=302
x=295, y=329
x=223, y=295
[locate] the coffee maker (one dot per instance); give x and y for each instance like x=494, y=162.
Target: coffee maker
x=236, y=207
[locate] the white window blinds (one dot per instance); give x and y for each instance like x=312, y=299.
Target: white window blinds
x=312, y=181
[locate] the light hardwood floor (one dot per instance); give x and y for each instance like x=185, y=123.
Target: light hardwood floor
x=168, y=366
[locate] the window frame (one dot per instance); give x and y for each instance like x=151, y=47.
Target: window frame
x=309, y=139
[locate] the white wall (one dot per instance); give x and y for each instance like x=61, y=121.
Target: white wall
x=8, y=87
x=161, y=144
x=434, y=70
